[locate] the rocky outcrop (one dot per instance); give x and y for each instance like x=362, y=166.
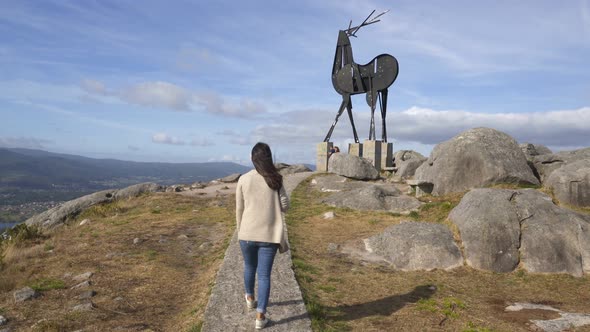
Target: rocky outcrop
x=406, y=162
x=411, y=246
x=25, y=294
x=473, y=159
x=337, y=183
x=571, y=183
x=374, y=197
x=360, y=195
x=547, y=163
x=532, y=150
x=231, y=178
x=352, y=167
x=136, y=190
x=490, y=229
x=197, y=185
x=553, y=239
x=502, y=228
x=60, y=214
x=286, y=169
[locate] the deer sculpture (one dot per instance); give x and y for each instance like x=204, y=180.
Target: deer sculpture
x=373, y=78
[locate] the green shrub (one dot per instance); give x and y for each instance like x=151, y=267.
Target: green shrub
x=471, y=327
x=302, y=266
x=196, y=327
x=427, y=305
x=48, y=246
x=414, y=215
x=374, y=221
x=102, y=210
x=46, y=284
x=327, y=288
x=22, y=233
x=151, y=254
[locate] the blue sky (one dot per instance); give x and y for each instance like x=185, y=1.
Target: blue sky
x=197, y=81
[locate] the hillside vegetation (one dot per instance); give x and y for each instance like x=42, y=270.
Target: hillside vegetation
x=153, y=260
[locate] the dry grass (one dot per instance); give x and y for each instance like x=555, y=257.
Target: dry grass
x=14, y=253
x=161, y=284
x=344, y=294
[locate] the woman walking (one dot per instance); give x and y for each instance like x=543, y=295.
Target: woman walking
x=261, y=200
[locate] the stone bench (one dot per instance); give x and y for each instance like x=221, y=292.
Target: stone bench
x=421, y=187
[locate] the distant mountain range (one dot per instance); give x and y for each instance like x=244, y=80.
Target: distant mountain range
x=38, y=169
x=39, y=176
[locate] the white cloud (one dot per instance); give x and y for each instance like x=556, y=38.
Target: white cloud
x=216, y=104
x=554, y=128
x=149, y=94
x=163, y=138
x=303, y=127
x=286, y=133
x=158, y=94
x=170, y=96
x=24, y=142
x=424, y=127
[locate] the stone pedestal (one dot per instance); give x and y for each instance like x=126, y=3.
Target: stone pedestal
x=372, y=152
x=386, y=155
x=355, y=149
x=421, y=187
x=322, y=154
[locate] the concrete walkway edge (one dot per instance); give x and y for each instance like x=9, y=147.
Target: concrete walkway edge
x=227, y=311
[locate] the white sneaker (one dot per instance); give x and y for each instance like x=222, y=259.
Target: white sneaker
x=250, y=303
x=260, y=324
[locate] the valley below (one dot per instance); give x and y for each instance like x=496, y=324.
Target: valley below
x=32, y=181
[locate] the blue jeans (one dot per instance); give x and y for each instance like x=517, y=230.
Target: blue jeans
x=258, y=258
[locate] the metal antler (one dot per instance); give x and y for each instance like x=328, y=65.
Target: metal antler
x=365, y=22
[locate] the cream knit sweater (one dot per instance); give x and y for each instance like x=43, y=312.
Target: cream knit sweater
x=259, y=210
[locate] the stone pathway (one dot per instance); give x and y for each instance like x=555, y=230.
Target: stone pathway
x=226, y=310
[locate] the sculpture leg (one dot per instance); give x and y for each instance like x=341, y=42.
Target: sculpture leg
x=373, y=97
x=349, y=109
x=345, y=101
x=372, y=135
x=383, y=113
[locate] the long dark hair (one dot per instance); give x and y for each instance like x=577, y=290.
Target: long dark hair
x=262, y=160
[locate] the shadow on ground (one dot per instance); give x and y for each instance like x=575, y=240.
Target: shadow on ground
x=383, y=307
